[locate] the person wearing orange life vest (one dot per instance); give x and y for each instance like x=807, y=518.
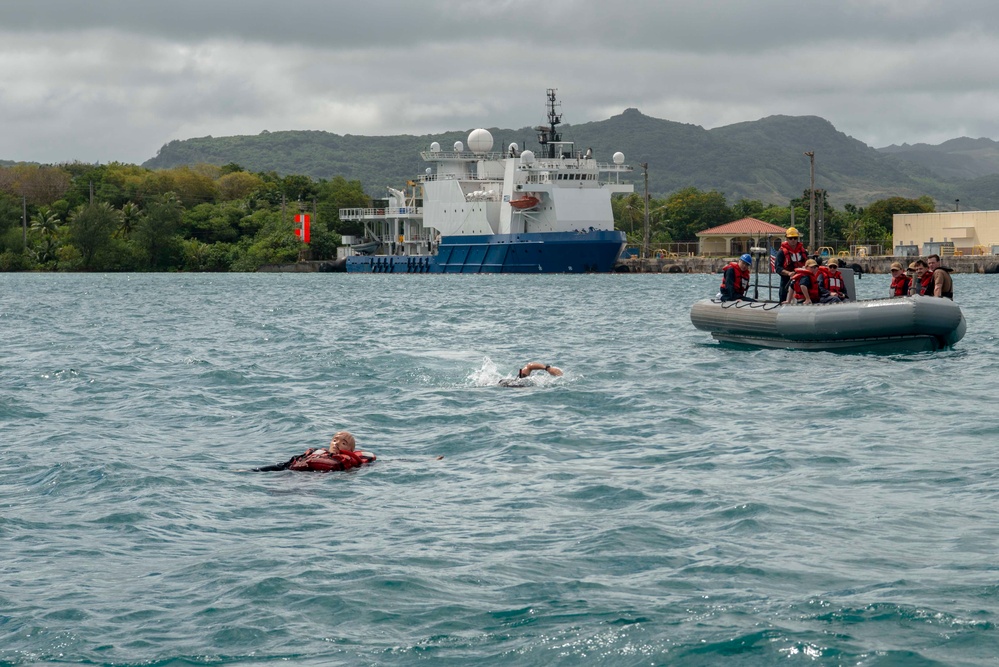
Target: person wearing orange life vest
x=341, y=455
x=899, y=281
x=830, y=280
x=791, y=255
x=735, y=279
x=804, y=286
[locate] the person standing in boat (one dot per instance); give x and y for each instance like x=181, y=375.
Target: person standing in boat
x=899, y=281
x=922, y=279
x=804, y=285
x=830, y=281
x=942, y=285
x=735, y=279
x=791, y=256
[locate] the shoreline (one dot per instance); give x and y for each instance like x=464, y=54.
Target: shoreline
x=880, y=264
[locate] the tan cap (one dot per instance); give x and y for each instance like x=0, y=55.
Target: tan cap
x=896, y=265
x=833, y=262
x=913, y=266
x=810, y=263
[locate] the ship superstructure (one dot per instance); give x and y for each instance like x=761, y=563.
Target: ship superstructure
x=511, y=212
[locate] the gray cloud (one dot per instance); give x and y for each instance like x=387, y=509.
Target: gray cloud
x=116, y=79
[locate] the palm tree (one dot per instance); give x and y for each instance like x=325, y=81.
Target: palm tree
x=46, y=249
x=45, y=222
x=130, y=216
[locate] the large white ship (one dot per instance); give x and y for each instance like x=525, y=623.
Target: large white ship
x=497, y=212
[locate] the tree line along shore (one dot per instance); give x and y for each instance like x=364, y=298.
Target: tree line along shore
x=124, y=217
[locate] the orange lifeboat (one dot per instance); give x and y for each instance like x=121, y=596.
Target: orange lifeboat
x=525, y=203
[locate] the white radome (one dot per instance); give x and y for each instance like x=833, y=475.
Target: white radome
x=527, y=157
x=619, y=158
x=480, y=141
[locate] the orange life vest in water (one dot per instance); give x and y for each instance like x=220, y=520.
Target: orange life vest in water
x=321, y=460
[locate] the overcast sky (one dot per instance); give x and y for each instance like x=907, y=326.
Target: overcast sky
x=114, y=80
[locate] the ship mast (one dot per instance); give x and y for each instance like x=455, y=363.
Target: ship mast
x=548, y=135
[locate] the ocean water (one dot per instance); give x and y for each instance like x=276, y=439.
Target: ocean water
x=668, y=501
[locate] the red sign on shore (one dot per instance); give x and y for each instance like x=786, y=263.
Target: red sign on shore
x=302, y=227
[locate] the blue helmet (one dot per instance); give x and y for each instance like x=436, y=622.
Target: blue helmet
x=747, y=258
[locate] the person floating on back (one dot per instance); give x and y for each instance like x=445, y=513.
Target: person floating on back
x=525, y=372
x=341, y=455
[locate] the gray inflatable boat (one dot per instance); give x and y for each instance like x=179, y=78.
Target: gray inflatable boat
x=914, y=323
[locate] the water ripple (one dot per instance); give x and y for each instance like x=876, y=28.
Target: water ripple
x=667, y=501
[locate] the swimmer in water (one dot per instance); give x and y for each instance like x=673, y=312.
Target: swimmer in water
x=339, y=456
x=525, y=372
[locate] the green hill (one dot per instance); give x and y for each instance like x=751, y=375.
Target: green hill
x=761, y=159
x=954, y=160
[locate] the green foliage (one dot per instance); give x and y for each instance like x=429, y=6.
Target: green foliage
x=214, y=223
x=119, y=217
x=760, y=160
x=11, y=260
x=690, y=211
x=275, y=247
x=198, y=256
x=10, y=220
x=324, y=243
x=91, y=227
x=155, y=233
x=237, y=185
x=748, y=208
x=877, y=217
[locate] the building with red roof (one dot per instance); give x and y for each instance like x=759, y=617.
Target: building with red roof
x=736, y=237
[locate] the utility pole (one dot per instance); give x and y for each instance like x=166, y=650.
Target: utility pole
x=24, y=221
x=811, y=200
x=645, y=240
x=822, y=221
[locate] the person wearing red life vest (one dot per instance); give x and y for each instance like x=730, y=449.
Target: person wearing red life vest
x=735, y=279
x=831, y=286
x=791, y=255
x=899, y=281
x=922, y=279
x=804, y=286
x=341, y=455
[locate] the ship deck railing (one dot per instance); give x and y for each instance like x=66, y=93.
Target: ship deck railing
x=381, y=213
x=578, y=161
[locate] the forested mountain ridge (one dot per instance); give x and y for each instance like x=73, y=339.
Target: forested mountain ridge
x=956, y=159
x=760, y=159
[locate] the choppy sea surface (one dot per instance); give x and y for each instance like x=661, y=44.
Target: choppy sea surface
x=668, y=501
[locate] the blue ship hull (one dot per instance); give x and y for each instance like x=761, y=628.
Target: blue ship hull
x=548, y=252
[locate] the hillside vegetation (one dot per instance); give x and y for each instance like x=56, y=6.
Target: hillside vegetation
x=762, y=159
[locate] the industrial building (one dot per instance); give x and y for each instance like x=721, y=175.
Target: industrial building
x=955, y=233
